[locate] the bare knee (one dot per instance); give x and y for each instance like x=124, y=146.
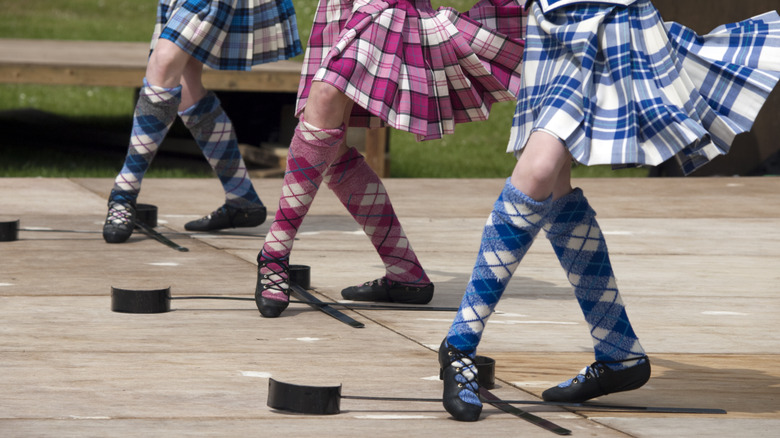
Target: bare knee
x=540, y=171
x=535, y=178
x=166, y=64
x=325, y=106
x=192, y=84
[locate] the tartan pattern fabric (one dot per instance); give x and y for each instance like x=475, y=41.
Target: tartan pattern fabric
x=154, y=114
x=311, y=151
x=363, y=194
x=230, y=34
x=414, y=68
x=213, y=132
x=621, y=87
x=580, y=246
x=510, y=230
x=550, y=5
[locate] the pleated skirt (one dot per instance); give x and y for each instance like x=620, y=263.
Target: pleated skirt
x=230, y=34
x=413, y=68
x=619, y=86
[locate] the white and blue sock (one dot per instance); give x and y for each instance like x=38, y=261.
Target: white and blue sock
x=154, y=114
x=510, y=230
x=580, y=246
x=213, y=132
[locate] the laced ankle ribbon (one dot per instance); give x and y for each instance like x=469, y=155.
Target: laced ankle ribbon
x=597, y=368
x=465, y=368
x=119, y=214
x=279, y=282
x=230, y=215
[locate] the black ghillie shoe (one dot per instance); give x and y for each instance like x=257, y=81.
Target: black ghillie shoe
x=276, y=281
x=598, y=379
x=461, y=385
x=119, y=223
x=227, y=216
x=384, y=290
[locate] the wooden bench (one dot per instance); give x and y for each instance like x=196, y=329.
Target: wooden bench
x=123, y=64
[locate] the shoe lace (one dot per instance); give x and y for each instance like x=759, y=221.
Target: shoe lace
x=465, y=369
x=119, y=214
x=217, y=212
x=593, y=371
x=220, y=209
x=377, y=282
x=596, y=369
x=274, y=275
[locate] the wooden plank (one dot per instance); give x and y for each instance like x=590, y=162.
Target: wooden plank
x=69, y=75
x=75, y=53
x=122, y=64
x=71, y=367
x=116, y=76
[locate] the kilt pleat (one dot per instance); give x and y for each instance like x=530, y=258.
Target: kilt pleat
x=230, y=34
x=621, y=87
x=414, y=68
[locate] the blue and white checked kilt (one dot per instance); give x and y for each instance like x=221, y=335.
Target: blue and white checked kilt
x=230, y=34
x=621, y=87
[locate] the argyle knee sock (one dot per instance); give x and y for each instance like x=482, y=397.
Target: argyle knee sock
x=577, y=240
x=363, y=194
x=510, y=230
x=311, y=151
x=214, y=133
x=155, y=112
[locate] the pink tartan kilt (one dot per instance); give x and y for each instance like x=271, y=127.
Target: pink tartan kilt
x=413, y=68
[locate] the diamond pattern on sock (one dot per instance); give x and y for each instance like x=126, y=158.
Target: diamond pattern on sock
x=363, y=194
x=509, y=232
x=306, y=162
x=213, y=131
x=580, y=246
x=154, y=113
x=476, y=314
x=296, y=196
x=502, y=263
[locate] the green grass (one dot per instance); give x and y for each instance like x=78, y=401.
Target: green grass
x=70, y=101
x=109, y=20
x=475, y=151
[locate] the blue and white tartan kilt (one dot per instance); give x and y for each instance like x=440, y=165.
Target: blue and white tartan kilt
x=621, y=87
x=230, y=34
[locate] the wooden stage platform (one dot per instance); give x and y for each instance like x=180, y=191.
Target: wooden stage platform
x=697, y=260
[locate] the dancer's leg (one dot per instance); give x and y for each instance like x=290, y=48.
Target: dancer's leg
x=311, y=151
x=362, y=192
x=511, y=228
x=155, y=111
x=213, y=132
x=621, y=363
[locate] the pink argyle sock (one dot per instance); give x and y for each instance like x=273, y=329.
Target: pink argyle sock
x=311, y=151
x=361, y=191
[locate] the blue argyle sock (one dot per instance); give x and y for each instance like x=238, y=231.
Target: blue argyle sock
x=154, y=114
x=577, y=240
x=509, y=232
x=214, y=133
